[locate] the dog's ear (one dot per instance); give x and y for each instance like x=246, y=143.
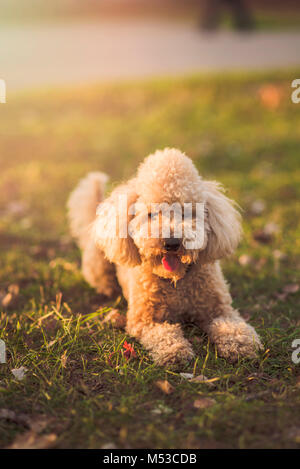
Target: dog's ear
x=110, y=229
x=222, y=223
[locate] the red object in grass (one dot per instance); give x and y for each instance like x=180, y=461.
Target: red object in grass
x=129, y=351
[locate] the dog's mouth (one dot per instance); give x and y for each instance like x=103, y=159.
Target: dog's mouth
x=170, y=262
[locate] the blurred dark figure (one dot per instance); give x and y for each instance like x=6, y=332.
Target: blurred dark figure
x=213, y=9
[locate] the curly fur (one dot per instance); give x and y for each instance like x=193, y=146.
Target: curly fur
x=158, y=299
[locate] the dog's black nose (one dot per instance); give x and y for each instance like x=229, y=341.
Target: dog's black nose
x=172, y=244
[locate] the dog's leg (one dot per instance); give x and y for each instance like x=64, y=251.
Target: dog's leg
x=98, y=271
x=164, y=341
x=214, y=313
x=232, y=336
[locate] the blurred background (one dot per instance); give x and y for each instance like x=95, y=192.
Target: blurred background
x=71, y=41
x=114, y=79
x=96, y=85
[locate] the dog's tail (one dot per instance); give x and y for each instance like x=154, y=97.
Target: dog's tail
x=82, y=205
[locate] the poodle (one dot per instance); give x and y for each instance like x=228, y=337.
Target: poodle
x=173, y=273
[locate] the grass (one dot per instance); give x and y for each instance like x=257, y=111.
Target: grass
x=240, y=129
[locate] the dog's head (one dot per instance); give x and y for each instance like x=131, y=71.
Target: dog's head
x=167, y=217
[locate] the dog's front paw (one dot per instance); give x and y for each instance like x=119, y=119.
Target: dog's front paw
x=173, y=356
x=235, y=339
x=165, y=342
x=233, y=349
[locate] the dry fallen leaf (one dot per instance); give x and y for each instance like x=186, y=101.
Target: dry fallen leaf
x=187, y=375
x=19, y=373
x=109, y=445
x=201, y=379
x=262, y=236
x=10, y=295
x=257, y=207
x=52, y=342
x=36, y=423
x=7, y=414
x=287, y=290
x=291, y=288
x=244, y=259
x=10, y=415
x=7, y=299
x=31, y=440
x=271, y=228
x=161, y=409
x=64, y=359
x=266, y=234
x=270, y=96
x=278, y=255
x=204, y=403
x=165, y=386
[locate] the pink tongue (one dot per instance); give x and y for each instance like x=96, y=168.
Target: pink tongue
x=170, y=262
